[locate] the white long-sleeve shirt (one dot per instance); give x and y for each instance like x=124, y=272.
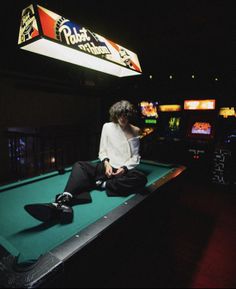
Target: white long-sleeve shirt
x=117, y=148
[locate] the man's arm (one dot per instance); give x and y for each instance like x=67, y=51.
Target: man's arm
x=103, y=145
x=103, y=156
x=108, y=168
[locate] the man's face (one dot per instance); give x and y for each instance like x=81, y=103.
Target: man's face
x=123, y=121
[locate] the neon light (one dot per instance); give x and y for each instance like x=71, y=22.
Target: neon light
x=150, y=121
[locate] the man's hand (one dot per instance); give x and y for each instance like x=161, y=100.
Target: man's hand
x=108, y=170
x=119, y=172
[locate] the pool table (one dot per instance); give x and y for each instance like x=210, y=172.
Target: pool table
x=31, y=253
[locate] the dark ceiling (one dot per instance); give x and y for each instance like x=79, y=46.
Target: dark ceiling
x=170, y=37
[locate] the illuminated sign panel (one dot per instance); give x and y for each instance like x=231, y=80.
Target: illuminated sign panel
x=227, y=112
x=169, y=108
x=47, y=33
x=209, y=104
x=150, y=121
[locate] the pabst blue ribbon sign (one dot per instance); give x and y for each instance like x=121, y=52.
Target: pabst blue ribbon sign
x=47, y=33
x=28, y=28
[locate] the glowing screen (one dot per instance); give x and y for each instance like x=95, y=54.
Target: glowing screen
x=149, y=109
x=201, y=128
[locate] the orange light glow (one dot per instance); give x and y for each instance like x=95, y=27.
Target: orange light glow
x=208, y=104
x=227, y=112
x=146, y=131
x=169, y=108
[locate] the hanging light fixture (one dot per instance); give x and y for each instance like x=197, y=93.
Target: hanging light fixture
x=47, y=33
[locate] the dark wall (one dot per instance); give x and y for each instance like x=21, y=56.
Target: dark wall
x=28, y=103
x=23, y=105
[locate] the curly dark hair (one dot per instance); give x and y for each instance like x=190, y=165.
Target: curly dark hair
x=121, y=108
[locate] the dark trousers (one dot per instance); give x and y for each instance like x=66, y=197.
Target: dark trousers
x=85, y=174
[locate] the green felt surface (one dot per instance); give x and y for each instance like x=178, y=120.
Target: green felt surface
x=24, y=236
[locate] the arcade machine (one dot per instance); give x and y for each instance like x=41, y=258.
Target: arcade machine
x=200, y=125
x=224, y=162
x=148, y=120
x=170, y=122
x=169, y=131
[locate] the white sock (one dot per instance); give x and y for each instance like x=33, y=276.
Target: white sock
x=67, y=194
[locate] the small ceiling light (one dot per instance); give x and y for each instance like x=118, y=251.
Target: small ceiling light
x=171, y=76
x=150, y=76
x=53, y=160
x=193, y=76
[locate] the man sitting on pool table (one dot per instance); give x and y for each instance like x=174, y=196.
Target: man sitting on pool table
x=115, y=173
